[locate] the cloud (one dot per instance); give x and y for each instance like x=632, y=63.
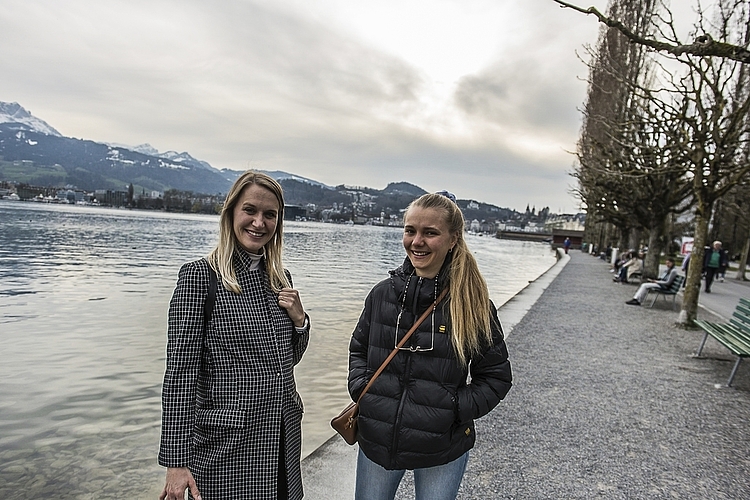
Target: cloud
x=478, y=94
x=517, y=93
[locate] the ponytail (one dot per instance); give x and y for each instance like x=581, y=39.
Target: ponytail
x=470, y=309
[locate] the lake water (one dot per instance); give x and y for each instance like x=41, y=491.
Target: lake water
x=83, y=301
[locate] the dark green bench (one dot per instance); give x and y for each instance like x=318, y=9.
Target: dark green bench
x=664, y=292
x=734, y=335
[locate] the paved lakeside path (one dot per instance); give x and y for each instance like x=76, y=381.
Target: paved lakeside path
x=607, y=403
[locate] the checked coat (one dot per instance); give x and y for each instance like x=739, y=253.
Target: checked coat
x=230, y=409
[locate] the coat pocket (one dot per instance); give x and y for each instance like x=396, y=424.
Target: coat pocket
x=220, y=417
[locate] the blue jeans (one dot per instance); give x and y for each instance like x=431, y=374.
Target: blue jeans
x=432, y=483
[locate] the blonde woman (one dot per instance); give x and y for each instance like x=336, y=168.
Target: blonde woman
x=419, y=414
x=231, y=413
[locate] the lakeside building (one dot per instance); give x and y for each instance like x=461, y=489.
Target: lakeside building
x=566, y=222
x=294, y=212
x=559, y=235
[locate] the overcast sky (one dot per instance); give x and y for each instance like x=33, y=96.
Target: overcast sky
x=478, y=97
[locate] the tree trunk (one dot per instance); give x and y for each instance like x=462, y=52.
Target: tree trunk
x=689, y=311
x=743, y=262
x=600, y=243
x=651, y=264
x=635, y=239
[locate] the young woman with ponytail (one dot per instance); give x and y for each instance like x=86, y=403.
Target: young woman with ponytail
x=419, y=414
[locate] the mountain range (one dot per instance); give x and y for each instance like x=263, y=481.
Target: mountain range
x=34, y=152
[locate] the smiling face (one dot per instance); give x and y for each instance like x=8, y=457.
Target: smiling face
x=256, y=215
x=427, y=240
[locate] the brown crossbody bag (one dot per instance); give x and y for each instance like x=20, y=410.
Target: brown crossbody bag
x=346, y=421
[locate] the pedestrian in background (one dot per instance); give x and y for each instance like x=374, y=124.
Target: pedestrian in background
x=419, y=413
x=231, y=415
x=684, y=266
x=715, y=260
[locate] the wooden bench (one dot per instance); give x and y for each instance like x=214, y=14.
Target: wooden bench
x=734, y=335
x=664, y=292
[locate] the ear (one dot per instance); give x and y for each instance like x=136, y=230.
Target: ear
x=454, y=240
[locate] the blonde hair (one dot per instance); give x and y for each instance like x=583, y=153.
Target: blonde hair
x=470, y=309
x=220, y=258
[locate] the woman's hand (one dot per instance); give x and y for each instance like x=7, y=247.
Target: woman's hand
x=289, y=300
x=178, y=480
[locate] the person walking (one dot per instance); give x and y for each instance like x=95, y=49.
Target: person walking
x=231, y=414
x=715, y=260
x=566, y=244
x=684, y=266
x=419, y=413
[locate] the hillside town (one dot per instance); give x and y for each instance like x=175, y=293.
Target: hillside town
x=353, y=205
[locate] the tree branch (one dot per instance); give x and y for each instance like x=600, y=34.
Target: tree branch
x=704, y=45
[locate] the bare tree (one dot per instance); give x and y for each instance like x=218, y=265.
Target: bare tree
x=627, y=171
x=704, y=44
x=715, y=131
x=614, y=65
x=707, y=109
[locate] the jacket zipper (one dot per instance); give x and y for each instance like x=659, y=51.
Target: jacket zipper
x=399, y=412
x=407, y=371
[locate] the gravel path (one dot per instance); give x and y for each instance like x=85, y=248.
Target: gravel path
x=608, y=403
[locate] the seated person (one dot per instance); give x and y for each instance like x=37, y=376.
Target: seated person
x=663, y=283
x=632, y=266
x=619, y=261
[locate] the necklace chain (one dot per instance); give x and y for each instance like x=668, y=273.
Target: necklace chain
x=416, y=348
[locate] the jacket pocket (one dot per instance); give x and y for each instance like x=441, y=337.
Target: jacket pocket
x=220, y=417
x=298, y=402
x=451, y=396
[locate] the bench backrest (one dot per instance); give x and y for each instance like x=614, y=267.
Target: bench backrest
x=741, y=317
x=676, y=284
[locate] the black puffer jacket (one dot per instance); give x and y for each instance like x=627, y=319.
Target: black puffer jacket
x=420, y=411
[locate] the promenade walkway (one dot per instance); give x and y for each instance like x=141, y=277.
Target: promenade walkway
x=607, y=403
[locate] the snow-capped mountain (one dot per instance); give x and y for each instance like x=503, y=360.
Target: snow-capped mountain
x=280, y=175
x=49, y=158
x=183, y=158
x=146, y=149
x=92, y=165
x=12, y=112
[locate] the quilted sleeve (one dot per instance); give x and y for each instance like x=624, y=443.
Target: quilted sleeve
x=491, y=377
x=358, y=345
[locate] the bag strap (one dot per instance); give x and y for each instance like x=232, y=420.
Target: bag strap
x=208, y=307
x=403, y=341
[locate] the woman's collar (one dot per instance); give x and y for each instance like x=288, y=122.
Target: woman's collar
x=251, y=261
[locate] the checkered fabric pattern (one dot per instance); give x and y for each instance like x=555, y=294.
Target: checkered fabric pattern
x=229, y=396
